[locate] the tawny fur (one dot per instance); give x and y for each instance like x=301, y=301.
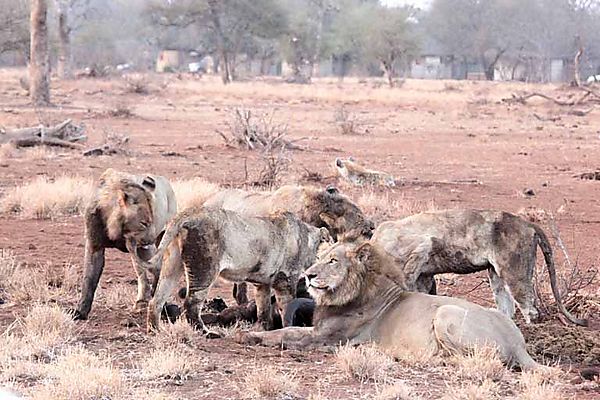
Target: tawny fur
x=126, y=212
x=466, y=241
x=318, y=207
x=357, y=302
x=358, y=175
x=203, y=244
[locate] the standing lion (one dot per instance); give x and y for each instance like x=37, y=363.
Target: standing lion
x=464, y=241
x=124, y=206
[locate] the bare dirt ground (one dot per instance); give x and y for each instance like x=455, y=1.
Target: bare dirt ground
x=449, y=144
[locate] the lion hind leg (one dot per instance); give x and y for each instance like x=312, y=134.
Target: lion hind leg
x=459, y=330
x=167, y=282
x=503, y=298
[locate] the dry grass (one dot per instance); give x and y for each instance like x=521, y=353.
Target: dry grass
x=42, y=283
x=396, y=391
x=168, y=363
x=193, y=192
x=268, y=383
x=480, y=364
x=347, y=123
x=181, y=332
x=538, y=386
x=46, y=329
x=44, y=198
x=82, y=375
x=387, y=205
x=415, y=359
x=486, y=390
x=119, y=296
x=232, y=330
x=364, y=363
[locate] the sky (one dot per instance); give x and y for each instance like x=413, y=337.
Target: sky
x=417, y=3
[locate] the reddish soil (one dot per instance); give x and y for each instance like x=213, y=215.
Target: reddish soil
x=455, y=148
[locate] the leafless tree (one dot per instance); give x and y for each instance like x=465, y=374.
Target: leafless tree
x=39, y=64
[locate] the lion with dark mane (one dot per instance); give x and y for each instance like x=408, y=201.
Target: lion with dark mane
x=357, y=302
x=124, y=206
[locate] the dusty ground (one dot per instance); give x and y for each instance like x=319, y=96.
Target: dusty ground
x=449, y=144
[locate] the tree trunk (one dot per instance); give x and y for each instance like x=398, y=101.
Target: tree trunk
x=388, y=67
x=576, y=62
x=318, y=40
x=39, y=65
x=63, y=67
x=218, y=29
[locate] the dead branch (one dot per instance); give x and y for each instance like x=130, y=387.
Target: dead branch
x=65, y=134
x=247, y=131
x=113, y=144
x=522, y=99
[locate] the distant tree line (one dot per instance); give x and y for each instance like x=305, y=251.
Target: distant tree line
x=360, y=34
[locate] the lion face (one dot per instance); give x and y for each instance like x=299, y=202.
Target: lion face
x=341, y=216
x=335, y=279
x=132, y=218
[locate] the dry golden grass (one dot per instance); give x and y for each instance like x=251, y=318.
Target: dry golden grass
x=479, y=364
x=42, y=283
x=364, y=363
x=38, y=153
x=193, y=192
x=81, y=375
x=268, y=383
x=396, y=391
x=538, y=385
x=181, y=332
x=232, y=330
x=7, y=152
x=415, y=359
x=118, y=296
x=45, y=329
x=388, y=205
x=486, y=390
x=168, y=363
x=43, y=198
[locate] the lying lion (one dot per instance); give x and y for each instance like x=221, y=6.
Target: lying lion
x=358, y=175
x=357, y=302
x=326, y=208
x=123, y=206
x=466, y=241
x=206, y=243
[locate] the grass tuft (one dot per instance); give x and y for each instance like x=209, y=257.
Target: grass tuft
x=269, y=383
x=364, y=363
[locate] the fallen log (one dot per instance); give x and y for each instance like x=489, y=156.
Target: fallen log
x=66, y=134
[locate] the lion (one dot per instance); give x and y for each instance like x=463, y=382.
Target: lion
x=464, y=241
x=203, y=244
x=357, y=302
x=127, y=212
x=358, y=175
x=326, y=208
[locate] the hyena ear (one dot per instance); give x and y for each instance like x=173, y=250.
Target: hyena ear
x=326, y=236
x=149, y=183
x=339, y=163
x=332, y=189
x=351, y=159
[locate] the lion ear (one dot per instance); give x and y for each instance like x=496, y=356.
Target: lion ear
x=122, y=198
x=327, y=218
x=149, y=183
x=363, y=253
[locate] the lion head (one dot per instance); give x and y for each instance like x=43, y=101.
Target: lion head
x=340, y=276
x=330, y=209
x=128, y=207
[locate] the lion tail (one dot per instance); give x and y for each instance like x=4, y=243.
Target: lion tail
x=544, y=244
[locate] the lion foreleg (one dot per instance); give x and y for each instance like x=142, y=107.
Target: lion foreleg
x=167, y=282
x=93, y=266
x=263, y=306
x=291, y=338
x=285, y=292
